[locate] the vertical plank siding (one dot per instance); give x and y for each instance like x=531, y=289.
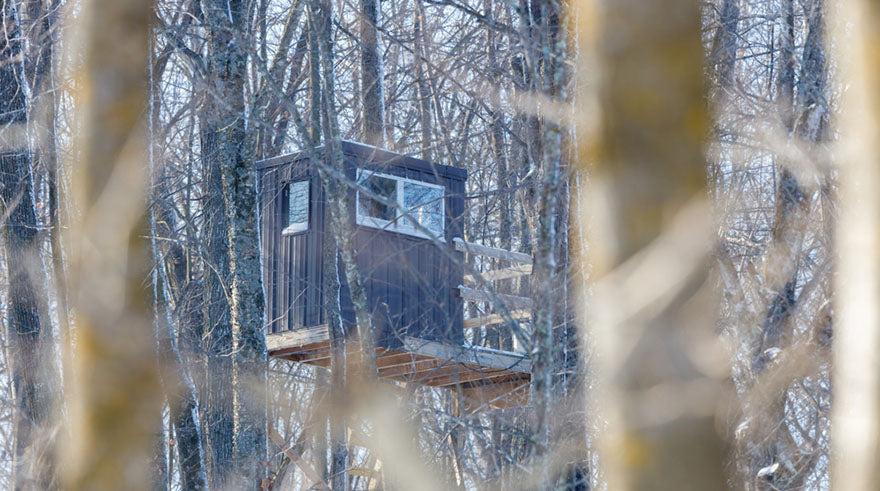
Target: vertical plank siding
x=411, y=282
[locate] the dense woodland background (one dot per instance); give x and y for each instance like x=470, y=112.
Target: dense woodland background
x=672, y=167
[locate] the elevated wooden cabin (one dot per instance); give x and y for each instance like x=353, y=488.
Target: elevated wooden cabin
x=410, y=258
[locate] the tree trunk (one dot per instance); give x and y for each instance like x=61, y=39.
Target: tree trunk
x=856, y=412
x=227, y=66
x=341, y=220
x=545, y=289
x=805, y=119
x=649, y=166
x=218, y=327
x=178, y=386
x=423, y=92
x=115, y=396
x=373, y=115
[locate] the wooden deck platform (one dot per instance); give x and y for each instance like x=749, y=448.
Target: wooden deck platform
x=488, y=378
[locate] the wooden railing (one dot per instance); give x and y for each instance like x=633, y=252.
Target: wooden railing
x=518, y=307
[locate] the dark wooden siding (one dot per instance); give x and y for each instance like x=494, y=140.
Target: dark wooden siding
x=411, y=282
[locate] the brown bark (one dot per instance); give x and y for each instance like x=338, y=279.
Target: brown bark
x=114, y=408
x=649, y=166
x=855, y=35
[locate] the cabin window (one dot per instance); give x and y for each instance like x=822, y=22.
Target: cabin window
x=406, y=206
x=297, y=207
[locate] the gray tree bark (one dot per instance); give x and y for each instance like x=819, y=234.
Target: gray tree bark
x=227, y=62
x=373, y=114
x=544, y=276
x=423, y=91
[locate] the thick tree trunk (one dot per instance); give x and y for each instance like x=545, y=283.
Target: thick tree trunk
x=650, y=166
x=855, y=33
x=218, y=325
x=115, y=396
x=227, y=67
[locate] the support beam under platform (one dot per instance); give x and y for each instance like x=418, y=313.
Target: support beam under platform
x=491, y=378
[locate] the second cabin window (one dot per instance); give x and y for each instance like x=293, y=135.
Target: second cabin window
x=400, y=205
x=297, y=207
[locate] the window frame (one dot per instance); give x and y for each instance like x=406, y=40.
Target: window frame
x=401, y=214
x=297, y=227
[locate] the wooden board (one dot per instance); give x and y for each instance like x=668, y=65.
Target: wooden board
x=501, y=274
x=495, y=319
x=480, y=357
x=301, y=337
x=511, y=301
x=496, y=396
x=420, y=361
x=481, y=250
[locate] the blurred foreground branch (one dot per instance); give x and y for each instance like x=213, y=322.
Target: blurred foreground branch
x=653, y=311
x=855, y=35
x=115, y=397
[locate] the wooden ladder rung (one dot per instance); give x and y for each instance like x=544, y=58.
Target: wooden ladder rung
x=494, y=319
x=513, y=301
x=364, y=472
x=481, y=250
x=501, y=274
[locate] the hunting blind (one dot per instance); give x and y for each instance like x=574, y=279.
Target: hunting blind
x=408, y=220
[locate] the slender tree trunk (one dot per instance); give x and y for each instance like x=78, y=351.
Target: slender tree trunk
x=545, y=290
x=170, y=306
x=45, y=106
x=373, y=115
x=331, y=274
x=178, y=387
x=805, y=119
x=423, y=91
x=339, y=199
